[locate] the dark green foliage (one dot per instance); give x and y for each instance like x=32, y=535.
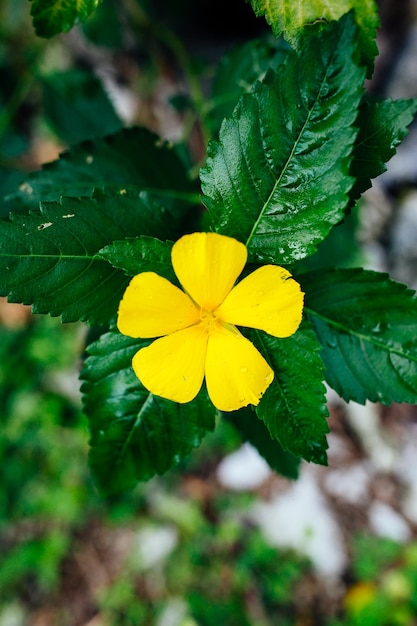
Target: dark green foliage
x=237, y=73
x=51, y=17
x=48, y=257
x=134, y=434
x=299, y=144
x=366, y=325
x=132, y=157
x=278, y=178
x=382, y=126
x=294, y=406
x=77, y=107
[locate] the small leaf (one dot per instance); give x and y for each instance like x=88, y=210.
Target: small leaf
x=277, y=180
x=143, y=254
x=382, y=126
x=131, y=158
x=253, y=430
x=294, y=406
x=48, y=257
x=51, y=17
x=366, y=324
x=291, y=17
x=77, y=107
x=134, y=435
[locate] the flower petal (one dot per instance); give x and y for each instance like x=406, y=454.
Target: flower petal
x=236, y=373
x=173, y=366
x=207, y=266
x=268, y=299
x=152, y=306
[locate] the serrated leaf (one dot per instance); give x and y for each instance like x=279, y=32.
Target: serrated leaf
x=143, y=254
x=51, y=17
x=77, y=107
x=48, y=257
x=382, y=127
x=366, y=324
x=290, y=18
x=134, y=435
x=237, y=73
x=278, y=178
x=294, y=406
x=131, y=158
x=253, y=430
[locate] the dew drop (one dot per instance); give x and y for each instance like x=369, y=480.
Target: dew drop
x=243, y=370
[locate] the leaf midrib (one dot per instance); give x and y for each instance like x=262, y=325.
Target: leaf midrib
x=136, y=422
x=367, y=338
x=288, y=161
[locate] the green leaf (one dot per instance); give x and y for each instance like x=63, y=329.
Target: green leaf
x=278, y=178
x=255, y=432
x=294, y=406
x=290, y=17
x=133, y=157
x=237, y=73
x=382, y=127
x=77, y=107
x=143, y=254
x=366, y=324
x=134, y=435
x=51, y=17
x=48, y=257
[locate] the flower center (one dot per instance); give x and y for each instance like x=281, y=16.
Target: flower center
x=207, y=316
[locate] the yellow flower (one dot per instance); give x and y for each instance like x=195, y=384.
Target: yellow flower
x=197, y=327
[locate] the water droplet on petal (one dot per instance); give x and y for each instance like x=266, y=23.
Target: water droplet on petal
x=243, y=370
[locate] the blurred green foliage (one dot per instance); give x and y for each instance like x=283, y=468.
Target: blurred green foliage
x=216, y=565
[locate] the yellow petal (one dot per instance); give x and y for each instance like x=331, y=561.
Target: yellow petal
x=236, y=373
x=173, y=366
x=268, y=299
x=207, y=266
x=152, y=306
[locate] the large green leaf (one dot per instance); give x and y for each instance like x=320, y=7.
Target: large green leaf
x=255, y=432
x=51, y=17
x=133, y=157
x=48, y=257
x=134, y=434
x=77, y=107
x=291, y=17
x=278, y=178
x=294, y=406
x=366, y=324
x=237, y=73
x=382, y=127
